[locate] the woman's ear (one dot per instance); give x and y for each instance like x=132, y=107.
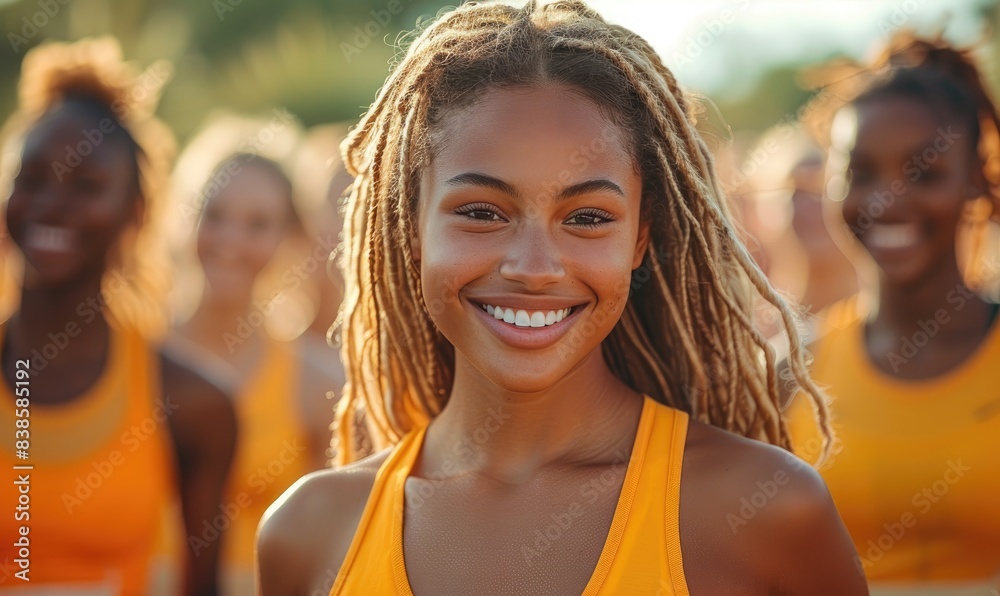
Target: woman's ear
x=641, y=244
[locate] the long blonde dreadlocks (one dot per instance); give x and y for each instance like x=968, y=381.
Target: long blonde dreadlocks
x=686, y=336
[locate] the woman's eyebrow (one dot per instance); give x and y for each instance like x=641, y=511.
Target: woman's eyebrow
x=484, y=181
x=589, y=186
x=581, y=188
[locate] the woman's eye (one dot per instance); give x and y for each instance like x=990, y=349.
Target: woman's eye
x=589, y=219
x=483, y=213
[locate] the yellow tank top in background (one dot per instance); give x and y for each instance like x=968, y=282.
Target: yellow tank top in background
x=103, y=467
x=642, y=552
x=272, y=453
x=917, y=477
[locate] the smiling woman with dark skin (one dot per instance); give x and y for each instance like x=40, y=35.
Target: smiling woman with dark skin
x=116, y=429
x=547, y=320
x=911, y=362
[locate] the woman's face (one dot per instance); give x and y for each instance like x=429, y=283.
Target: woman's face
x=73, y=195
x=908, y=176
x=530, y=205
x=240, y=230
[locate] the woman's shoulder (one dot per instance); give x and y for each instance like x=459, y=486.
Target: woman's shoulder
x=764, y=510
x=303, y=538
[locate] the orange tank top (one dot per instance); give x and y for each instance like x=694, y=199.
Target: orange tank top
x=642, y=552
x=917, y=476
x=271, y=455
x=101, y=469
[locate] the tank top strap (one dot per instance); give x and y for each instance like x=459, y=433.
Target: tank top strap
x=379, y=516
x=674, y=433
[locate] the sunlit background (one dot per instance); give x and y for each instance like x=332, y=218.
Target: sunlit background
x=323, y=61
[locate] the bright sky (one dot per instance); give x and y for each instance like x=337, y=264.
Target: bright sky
x=723, y=43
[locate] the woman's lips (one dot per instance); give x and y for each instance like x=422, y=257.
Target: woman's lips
x=528, y=336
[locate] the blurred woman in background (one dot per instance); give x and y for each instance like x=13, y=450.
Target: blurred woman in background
x=281, y=388
x=115, y=427
x=911, y=362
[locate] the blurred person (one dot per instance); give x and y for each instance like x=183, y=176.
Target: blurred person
x=116, y=427
x=911, y=362
x=829, y=274
x=320, y=197
x=280, y=388
x=812, y=269
x=553, y=424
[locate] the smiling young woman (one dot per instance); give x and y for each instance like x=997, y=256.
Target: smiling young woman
x=547, y=321
x=911, y=362
x=280, y=390
x=117, y=429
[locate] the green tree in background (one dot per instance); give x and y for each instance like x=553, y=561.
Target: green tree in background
x=321, y=60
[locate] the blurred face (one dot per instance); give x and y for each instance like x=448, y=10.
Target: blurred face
x=807, y=209
x=528, y=232
x=908, y=177
x=73, y=196
x=241, y=229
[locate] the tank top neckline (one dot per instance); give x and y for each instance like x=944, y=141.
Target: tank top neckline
x=910, y=388
x=407, y=456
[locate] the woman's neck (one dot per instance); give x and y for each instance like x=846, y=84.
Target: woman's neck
x=942, y=297
x=223, y=325
x=588, y=417
x=59, y=329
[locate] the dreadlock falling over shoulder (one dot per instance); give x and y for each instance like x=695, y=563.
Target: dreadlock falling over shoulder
x=93, y=70
x=686, y=336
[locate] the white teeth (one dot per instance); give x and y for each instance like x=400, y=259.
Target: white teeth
x=892, y=235
x=49, y=238
x=524, y=318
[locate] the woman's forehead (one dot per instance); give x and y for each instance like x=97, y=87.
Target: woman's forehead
x=546, y=127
